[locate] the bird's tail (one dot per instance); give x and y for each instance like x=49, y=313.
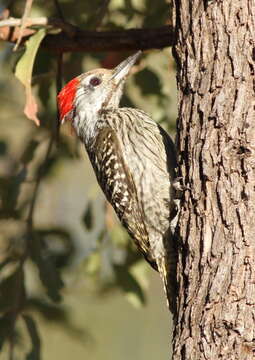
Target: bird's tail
x=167, y=270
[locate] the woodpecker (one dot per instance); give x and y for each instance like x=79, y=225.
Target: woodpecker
x=133, y=158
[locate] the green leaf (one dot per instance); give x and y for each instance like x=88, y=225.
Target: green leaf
x=64, y=149
x=48, y=272
x=7, y=268
x=6, y=328
x=156, y=14
x=24, y=70
x=25, y=65
x=148, y=82
x=101, y=236
x=59, y=315
x=119, y=236
x=59, y=244
x=28, y=154
x=93, y=263
x=57, y=232
x=10, y=188
x=47, y=167
x=129, y=284
x=50, y=311
x=35, y=338
x=9, y=295
x=87, y=218
x=3, y=148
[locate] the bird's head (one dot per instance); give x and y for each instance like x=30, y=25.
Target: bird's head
x=93, y=91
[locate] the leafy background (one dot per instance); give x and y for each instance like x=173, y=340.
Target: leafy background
x=71, y=282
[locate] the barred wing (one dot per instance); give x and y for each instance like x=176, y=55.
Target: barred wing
x=117, y=183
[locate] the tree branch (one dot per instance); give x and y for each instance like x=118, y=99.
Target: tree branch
x=97, y=41
x=74, y=39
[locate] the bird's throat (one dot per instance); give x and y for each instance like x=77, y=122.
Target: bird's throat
x=85, y=125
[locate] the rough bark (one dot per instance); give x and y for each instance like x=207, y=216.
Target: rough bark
x=215, y=54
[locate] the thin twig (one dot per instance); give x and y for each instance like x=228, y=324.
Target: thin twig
x=30, y=217
x=59, y=83
x=54, y=136
x=23, y=22
x=55, y=23
x=101, y=13
x=30, y=224
x=37, y=21
x=59, y=74
x=59, y=10
x=19, y=302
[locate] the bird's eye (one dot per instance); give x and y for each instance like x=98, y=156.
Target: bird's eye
x=95, y=81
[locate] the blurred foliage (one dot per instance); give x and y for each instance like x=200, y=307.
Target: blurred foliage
x=50, y=233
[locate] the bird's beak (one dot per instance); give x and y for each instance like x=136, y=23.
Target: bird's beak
x=122, y=70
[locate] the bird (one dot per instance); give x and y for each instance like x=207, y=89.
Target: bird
x=133, y=157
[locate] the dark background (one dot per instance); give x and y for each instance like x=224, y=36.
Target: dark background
x=85, y=290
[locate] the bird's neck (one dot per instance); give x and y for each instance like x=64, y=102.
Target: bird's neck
x=87, y=122
x=87, y=112
x=85, y=125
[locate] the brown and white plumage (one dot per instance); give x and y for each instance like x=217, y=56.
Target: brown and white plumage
x=132, y=156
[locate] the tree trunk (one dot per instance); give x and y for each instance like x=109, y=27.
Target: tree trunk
x=215, y=54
